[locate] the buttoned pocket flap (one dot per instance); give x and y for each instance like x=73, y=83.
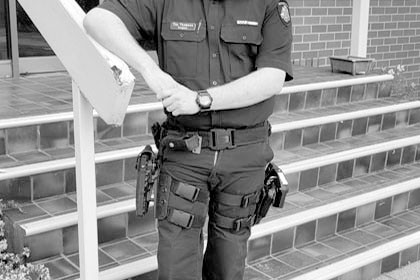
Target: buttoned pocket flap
x=241, y=35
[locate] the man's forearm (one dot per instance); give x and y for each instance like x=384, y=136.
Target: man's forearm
x=248, y=90
x=108, y=30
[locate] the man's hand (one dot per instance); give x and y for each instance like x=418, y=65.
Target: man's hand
x=176, y=98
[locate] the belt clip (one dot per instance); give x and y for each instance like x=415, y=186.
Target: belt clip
x=248, y=221
x=245, y=200
x=222, y=139
x=193, y=143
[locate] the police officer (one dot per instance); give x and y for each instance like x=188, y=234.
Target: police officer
x=220, y=65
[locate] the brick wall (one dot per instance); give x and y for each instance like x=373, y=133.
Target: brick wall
x=322, y=28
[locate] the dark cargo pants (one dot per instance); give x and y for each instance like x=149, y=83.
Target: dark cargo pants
x=235, y=171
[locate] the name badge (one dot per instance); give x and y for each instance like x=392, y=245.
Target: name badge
x=247, y=22
x=185, y=26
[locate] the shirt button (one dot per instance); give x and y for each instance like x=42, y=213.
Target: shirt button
x=214, y=55
x=244, y=38
x=214, y=83
x=212, y=27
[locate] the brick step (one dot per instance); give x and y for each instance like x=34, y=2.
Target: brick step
x=363, y=252
x=54, y=168
x=341, y=163
x=292, y=129
x=295, y=129
x=313, y=232
x=338, y=160
x=39, y=132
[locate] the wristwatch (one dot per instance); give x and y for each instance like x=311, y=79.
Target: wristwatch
x=204, y=100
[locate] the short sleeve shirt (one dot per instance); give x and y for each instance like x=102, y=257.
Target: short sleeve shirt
x=207, y=43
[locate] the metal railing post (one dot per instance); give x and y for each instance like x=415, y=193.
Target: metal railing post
x=14, y=47
x=86, y=186
x=359, y=28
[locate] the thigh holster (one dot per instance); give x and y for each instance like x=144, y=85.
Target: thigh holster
x=245, y=204
x=180, y=203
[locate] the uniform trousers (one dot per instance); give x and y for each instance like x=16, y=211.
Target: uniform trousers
x=234, y=171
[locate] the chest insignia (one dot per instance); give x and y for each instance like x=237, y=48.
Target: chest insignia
x=185, y=26
x=246, y=22
x=283, y=9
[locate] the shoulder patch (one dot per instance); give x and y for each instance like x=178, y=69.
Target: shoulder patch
x=283, y=9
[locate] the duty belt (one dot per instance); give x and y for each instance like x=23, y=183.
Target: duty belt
x=216, y=139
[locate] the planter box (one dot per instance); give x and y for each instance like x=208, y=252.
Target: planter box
x=351, y=64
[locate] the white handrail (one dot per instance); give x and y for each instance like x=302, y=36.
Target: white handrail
x=335, y=84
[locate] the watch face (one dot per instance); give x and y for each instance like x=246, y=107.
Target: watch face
x=205, y=101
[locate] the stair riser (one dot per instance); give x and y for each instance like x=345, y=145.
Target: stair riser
x=332, y=96
x=60, y=182
x=343, y=129
x=126, y=224
x=384, y=265
x=320, y=229
x=39, y=186
x=65, y=240
x=60, y=134
x=346, y=170
x=370, y=271
x=17, y=141
x=115, y=227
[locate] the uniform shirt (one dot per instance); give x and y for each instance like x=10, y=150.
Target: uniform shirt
x=207, y=43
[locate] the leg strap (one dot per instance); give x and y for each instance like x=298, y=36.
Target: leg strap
x=235, y=224
x=239, y=200
x=189, y=192
x=184, y=219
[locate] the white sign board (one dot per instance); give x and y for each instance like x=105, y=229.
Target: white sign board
x=103, y=78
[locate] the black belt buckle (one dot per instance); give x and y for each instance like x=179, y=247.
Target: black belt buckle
x=221, y=139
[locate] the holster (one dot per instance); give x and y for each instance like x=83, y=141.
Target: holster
x=147, y=174
x=273, y=193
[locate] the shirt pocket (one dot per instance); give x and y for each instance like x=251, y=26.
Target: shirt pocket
x=242, y=43
x=182, y=50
